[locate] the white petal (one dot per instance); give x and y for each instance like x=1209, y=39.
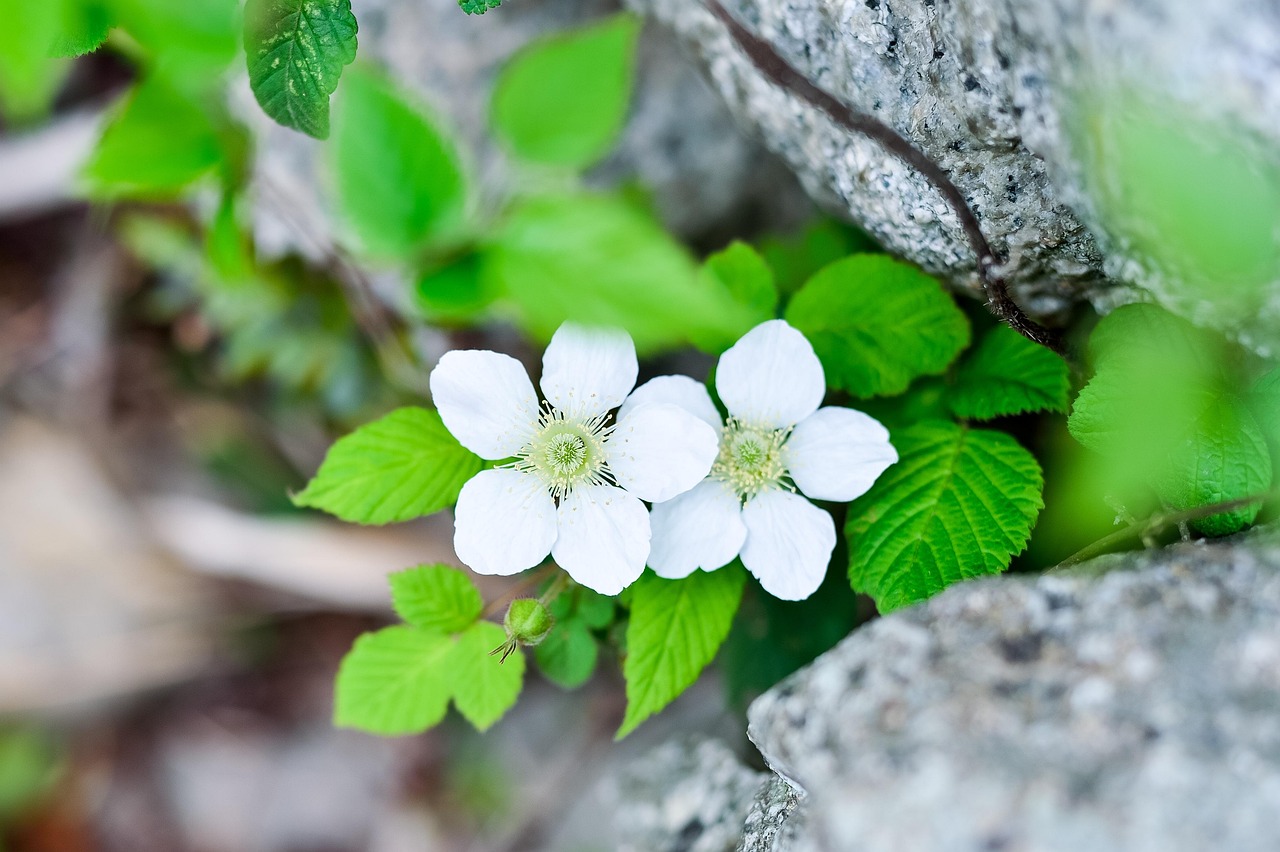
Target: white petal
x=702, y=528
x=789, y=543
x=505, y=522
x=588, y=371
x=603, y=538
x=658, y=451
x=771, y=377
x=683, y=391
x=836, y=453
x=486, y=400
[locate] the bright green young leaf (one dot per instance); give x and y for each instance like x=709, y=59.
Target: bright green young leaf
x=1224, y=458
x=29, y=79
x=567, y=657
x=486, y=686
x=478, y=7
x=675, y=630
x=296, y=50
x=436, y=597
x=1007, y=374
x=1265, y=397
x=600, y=261
x=85, y=25
x=157, y=145
x=395, y=681
x=455, y=292
x=397, y=177
x=742, y=272
x=959, y=503
x=563, y=100
x=877, y=324
x=194, y=40
x=403, y=466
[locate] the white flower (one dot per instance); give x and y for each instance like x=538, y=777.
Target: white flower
x=575, y=485
x=775, y=440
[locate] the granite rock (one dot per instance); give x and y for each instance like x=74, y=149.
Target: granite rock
x=986, y=89
x=1128, y=705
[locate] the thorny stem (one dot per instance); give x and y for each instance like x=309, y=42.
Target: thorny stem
x=781, y=73
x=1158, y=522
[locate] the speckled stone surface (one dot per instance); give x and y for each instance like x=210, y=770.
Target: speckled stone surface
x=985, y=89
x=1130, y=706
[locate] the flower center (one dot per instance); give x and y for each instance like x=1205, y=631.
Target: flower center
x=566, y=452
x=750, y=459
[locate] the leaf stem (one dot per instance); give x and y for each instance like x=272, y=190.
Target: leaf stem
x=518, y=589
x=1158, y=523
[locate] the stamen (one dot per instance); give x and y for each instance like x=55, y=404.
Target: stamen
x=751, y=459
x=566, y=453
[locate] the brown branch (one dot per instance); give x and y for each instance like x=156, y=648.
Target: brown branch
x=782, y=74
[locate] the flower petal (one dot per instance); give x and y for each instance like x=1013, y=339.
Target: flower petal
x=771, y=377
x=683, y=391
x=603, y=538
x=701, y=528
x=485, y=400
x=837, y=453
x=505, y=522
x=658, y=451
x=789, y=543
x=588, y=371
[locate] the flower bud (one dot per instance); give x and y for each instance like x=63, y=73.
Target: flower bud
x=527, y=621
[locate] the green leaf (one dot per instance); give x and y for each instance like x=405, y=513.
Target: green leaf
x=1224, y=458
x=296, y=50
x=959, y=503
x=1265, y=397
x=675, y=630
x=478, y=7
x=29, y=79
x=742, y=272
x=454, y=293
x=85, y=26
x=1007, y=374
x=397, y=177
x=158, y=144
x=567, y=657
x=403, y=466
x=30, y=764
x=563, y=100
x=794, y=258
x=600, y=261
x=486, y=686
x=394, y=681
x=194, y=40
x=877, y=324
x=436, y=597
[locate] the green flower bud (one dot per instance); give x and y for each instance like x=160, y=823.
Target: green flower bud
x=527, y=621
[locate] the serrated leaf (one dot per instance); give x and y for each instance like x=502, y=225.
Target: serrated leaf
x=403, y=466
x=598, y=260
x=1223, y=458
x=562, y=100
x=675, y=630
x=159, y=143
x=1007, y=374
x=877, y=324
x=397, y=176
x=960, y=503
x=436, y=597
x=567, y=657
x=742, y=273
x=394, y=681
x=194, y=40
x=85, y=26
x=295, y=51
x=486, y=686
x=794, y=258
x=478, y=7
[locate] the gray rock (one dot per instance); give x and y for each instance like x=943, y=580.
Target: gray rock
x=985, y=89
x=687, y=795
x=705, y=174
x=1131, y=705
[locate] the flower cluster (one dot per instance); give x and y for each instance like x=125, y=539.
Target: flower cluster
x=570, y=476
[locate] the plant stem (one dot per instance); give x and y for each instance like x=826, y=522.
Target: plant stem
x=518, y=589
x=1157, y=523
